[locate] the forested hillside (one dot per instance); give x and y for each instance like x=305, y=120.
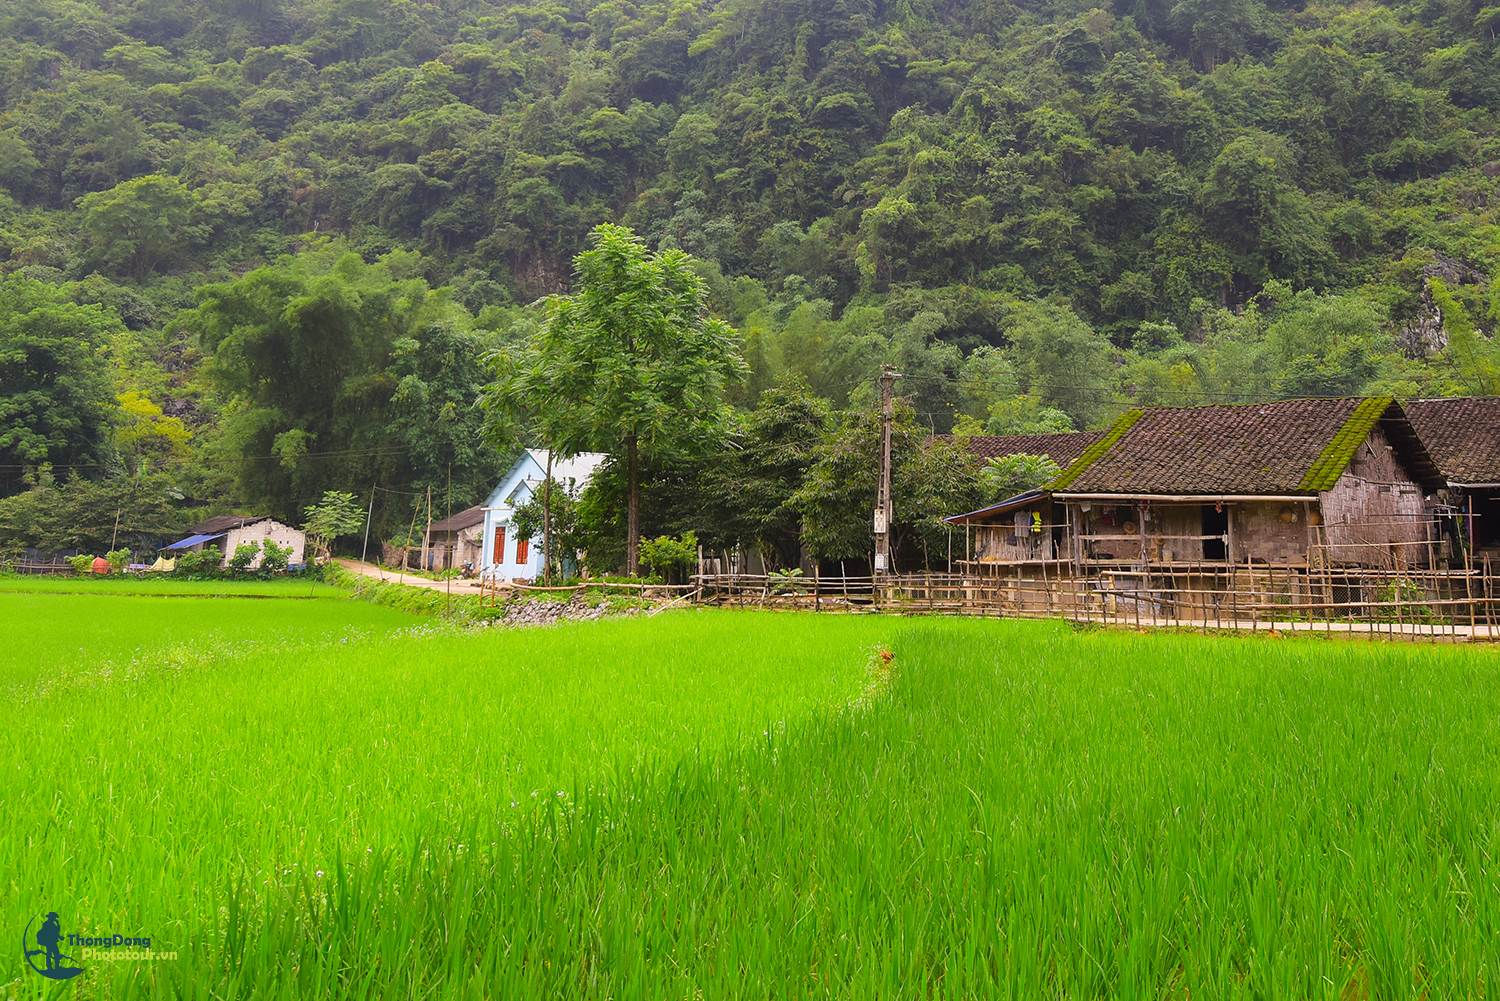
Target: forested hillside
x=261, y=247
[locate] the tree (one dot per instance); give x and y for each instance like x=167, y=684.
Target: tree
x=553, y=515
x=340, y=374
x=136, y=511
x=139, y=223
x=1015, y=474
x=520, y=405
x=1065, y=362
x=55, y=400
x=338, y=514
x=635, y=359
x=747, y=493
x=930, y=479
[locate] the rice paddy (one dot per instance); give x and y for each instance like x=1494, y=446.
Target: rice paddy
x=360, y=803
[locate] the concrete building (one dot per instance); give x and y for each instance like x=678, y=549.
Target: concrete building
x=227, y=531
x=455, y=542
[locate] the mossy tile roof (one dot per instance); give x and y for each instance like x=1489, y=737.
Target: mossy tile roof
x=1287, y=447
x=1462, y=435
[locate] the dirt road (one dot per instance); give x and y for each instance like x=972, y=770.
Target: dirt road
x=393, y=577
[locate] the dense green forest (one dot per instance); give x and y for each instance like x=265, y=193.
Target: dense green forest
x=257, y=249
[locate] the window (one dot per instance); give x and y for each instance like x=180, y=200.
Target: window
x=523, y=550
x=499, y=544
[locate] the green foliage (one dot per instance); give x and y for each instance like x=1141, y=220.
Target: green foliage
x=344, y=373
x=1064, y=362
x=199, y=564
x=244, y=554
x=82, y=514
x=1016, y=474
x=664, y=554
x=82, y=563
x=55, y=399
x=1174, y=203
x=633, y=357
x=930, y=480
x=746, y=492
x=337, y=514
x=528, y=521
x=1475, y=360
x=274, y=558
x=140, y=223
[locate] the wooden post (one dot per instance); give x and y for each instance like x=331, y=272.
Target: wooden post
x=883, y=506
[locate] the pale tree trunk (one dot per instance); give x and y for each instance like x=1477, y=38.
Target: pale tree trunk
x=547, y=522
x=633, y=508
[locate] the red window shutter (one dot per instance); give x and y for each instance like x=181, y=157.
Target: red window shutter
x=499, y=545
x=523, y=550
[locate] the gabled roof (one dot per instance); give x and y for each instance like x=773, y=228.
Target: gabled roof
x=1288, y=447
x=531, y=466
x=224, y=522
x=578, y=468
x=1462, y=434
x=467, y=518
x=1063, y=449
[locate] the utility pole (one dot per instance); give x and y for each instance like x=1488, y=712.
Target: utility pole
x=884, y=512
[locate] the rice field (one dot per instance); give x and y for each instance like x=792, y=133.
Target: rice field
x=740, y=804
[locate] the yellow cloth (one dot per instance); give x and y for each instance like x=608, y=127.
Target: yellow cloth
x=164, y=564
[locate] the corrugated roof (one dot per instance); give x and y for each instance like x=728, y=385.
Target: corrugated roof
x=467, y=518
x=225, y=522
x=1287, y=447
x=1462, y=435
x=579, y=467
x=193, y=540
x=994, y=510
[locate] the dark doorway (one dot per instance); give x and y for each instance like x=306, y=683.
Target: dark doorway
x=1486, y=521
x=1215, y=522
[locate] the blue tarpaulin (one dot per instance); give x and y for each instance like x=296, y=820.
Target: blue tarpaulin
x=193, y=540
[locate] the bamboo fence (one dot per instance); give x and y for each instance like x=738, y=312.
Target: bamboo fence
x=1318, y=595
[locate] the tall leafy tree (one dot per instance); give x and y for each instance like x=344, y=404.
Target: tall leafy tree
x=636, y=360
x=747, y=492
x=56, y=405
x=930, y=479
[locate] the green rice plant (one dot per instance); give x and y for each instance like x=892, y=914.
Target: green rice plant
x=725, y=804
x=171, y=585
x=78, y=634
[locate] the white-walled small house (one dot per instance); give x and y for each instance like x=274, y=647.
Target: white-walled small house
x=506, y=557
x=227, y=531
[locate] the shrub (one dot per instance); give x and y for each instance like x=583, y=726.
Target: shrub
x=118, y=559
x=665, y=554
x=198, y=565
x=275, y=558
x=244, y=555
x=82, y=563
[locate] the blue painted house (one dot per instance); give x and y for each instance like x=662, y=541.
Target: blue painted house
x=505, y=556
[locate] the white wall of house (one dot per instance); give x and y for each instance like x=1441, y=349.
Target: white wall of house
x=282, y=535
x=502, y=555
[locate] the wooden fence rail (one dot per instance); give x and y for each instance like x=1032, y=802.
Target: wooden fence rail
x=1436, y=605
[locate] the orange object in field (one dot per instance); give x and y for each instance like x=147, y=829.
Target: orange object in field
x=101, y=565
